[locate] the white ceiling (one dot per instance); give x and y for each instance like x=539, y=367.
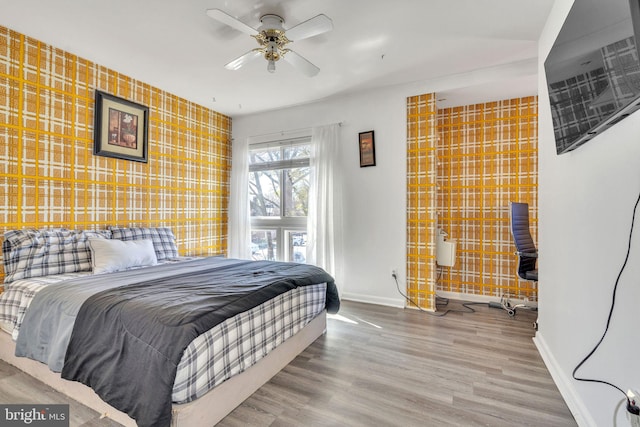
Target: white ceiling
x=174, y=45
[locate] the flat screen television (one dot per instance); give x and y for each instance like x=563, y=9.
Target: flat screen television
x=593, y=71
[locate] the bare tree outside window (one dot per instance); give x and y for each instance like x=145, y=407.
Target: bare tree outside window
x=278, y=200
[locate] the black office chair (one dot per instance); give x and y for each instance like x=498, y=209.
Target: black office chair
x=525, y=248
x=526, y=251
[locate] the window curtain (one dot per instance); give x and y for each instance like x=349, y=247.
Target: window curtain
x=324, y=218
x=239, y=215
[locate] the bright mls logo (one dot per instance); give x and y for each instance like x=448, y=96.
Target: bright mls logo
x=34, y=415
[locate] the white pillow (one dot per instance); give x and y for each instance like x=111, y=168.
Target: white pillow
x=115, y=255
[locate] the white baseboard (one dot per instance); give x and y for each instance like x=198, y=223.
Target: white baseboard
x=391, y=302
x=466, y=297
x=400, y=302
x=482, y=298
x=564, y=384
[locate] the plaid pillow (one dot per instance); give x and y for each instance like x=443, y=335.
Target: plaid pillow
x=164, y=242
x=35, y=253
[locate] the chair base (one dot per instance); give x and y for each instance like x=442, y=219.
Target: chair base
x=510, y=308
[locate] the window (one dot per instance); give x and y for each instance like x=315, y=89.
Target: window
x=278, y=199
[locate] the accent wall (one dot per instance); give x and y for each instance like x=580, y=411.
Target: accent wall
x=49, y=176
x=464, y=165
x=487, y=157
x=421, y=197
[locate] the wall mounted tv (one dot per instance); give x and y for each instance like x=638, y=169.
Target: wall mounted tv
x=593, y=71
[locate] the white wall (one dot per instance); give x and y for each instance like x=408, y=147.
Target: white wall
x=585, y=200
x=374, y=205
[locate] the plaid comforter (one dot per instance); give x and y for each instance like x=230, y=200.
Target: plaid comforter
x=18, y=294
x=241, y=341
x=215, y=356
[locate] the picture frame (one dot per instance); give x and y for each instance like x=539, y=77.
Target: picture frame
x=366, y=144
x=120, y=128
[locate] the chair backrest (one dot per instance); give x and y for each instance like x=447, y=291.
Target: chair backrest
x=519, y=217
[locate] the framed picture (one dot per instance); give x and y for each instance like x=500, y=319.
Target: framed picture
x=120, y=129
x=367, y=149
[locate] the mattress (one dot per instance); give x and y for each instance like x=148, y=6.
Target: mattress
x=213, y=357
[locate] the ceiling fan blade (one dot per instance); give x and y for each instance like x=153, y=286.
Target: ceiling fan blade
x=309, y=28
x=229, y=20
x=301, y=63
x=243, y=60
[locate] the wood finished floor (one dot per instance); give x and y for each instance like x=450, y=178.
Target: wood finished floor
x=382, y=366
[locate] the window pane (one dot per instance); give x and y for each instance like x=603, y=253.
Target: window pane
x=279, y=176
x=265, y=155
x=296, y=191
x=297, y=152
x=297, y=246
x=263, y=245
x=264, y=193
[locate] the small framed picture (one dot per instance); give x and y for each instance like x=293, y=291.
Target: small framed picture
x=367, y=149
x=120, y=128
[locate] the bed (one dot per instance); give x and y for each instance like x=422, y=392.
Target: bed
x=160, y=339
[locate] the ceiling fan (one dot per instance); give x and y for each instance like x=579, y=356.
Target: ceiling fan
x=273, y=39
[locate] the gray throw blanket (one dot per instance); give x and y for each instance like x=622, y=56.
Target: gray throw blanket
x=127, y=341
x=47, y=325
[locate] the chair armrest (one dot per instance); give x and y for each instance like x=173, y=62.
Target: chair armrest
x=527, y=254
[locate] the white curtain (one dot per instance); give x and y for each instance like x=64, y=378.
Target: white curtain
x=324, y=220
x=239, y=215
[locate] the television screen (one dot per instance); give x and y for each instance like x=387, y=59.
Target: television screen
x=593, y=71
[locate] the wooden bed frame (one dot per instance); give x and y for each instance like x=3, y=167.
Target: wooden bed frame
x=208, y=409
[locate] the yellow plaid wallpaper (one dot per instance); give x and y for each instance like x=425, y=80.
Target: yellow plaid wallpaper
x=485, y=156
x=49, y=176
x=421, y=196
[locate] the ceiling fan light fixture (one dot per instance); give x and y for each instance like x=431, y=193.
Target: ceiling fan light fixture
x=273, y=40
